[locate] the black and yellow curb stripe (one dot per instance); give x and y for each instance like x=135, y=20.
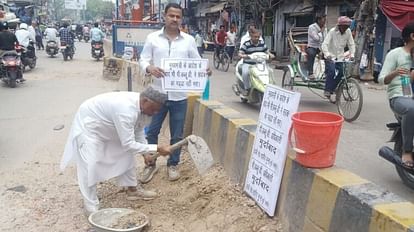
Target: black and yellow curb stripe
x=310, y=200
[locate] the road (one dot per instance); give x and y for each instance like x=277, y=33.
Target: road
x=55, y=89
x=360, y=140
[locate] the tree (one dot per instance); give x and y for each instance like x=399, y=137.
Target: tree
x=99, y=9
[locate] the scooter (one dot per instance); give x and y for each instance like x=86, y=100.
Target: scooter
x=260, y=75
x=10, y=68
x=394, y=155
x=97, y=50
x=86, y=36
x=27, y=56
x=67, y=50
x=52, y=48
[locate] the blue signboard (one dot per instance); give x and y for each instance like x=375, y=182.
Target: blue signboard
x=131, y=36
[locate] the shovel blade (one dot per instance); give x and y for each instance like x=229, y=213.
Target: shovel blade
x=200, y=153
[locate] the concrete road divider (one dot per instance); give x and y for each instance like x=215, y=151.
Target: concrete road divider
x=310, y=200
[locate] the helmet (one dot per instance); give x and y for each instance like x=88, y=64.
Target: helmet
x=3, y=25
x=344, y=20
x=23, y=26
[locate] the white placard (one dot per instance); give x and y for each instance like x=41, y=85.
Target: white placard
x=184, y=74
x=269, y=152
x=75, y=4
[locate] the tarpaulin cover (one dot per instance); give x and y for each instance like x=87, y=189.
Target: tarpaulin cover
x=399, y=12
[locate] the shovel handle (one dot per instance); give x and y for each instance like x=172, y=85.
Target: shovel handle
x=175, y=146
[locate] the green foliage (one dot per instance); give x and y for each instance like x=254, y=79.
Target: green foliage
x=99, y=9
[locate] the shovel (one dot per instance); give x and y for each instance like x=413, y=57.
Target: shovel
x=199, y=152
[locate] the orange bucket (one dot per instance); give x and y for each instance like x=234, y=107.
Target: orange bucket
x=316, y=137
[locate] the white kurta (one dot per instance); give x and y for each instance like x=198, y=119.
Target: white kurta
x=114, y=125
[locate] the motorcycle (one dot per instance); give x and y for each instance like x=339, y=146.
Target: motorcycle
x=67, y=50
x=260, y=75
x=97, y=50
x=79, y=35
x=394, y=155
x=86, y=36
x=27, y=56
x=10, y=68
x=52, y=48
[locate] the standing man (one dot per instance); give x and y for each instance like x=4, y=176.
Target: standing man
x=316, y=34
x=106, y=134
x=333, y=48
x=168, y=42
x=221, y=37
x=200, y=43
x=39, y=38
x=231, y=42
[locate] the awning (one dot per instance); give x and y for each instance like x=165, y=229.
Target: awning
x=399, y=12
x=213, y=9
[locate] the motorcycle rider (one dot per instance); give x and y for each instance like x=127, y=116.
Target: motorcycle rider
x=24, y=36
x=66, y=35
x=97, y=35
x=249, y=47
x=8, y=41
x=398, y=67
x=51, y=33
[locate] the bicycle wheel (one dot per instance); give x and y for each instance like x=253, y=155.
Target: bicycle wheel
x=349, y=99
x=225, y=61
x=288, y=80
x=216, y=61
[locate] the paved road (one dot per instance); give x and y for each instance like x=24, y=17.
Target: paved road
x=360, y=140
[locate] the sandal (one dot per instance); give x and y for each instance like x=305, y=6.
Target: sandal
x=408, y=164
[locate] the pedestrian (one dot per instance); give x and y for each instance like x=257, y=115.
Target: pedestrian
x=316, y=34
x=106, y=134
x=164, y=43
x=220, y=40
x=333, y=48
x=231, y=42
x=397, y=73
x=200, y=43
x=39, y=38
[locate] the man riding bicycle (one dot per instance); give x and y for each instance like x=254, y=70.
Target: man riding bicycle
x=221, y=37
x=333, y=48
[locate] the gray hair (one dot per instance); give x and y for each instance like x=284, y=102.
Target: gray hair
x=154, y=95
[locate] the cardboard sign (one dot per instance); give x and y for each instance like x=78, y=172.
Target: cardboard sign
x=269, y=152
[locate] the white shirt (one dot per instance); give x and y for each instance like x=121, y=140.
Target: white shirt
x=246, y=37
x=113, y=121
x=316, y=35
x=334, y=44
x=231, y=38
x=157, y=46
x=23, y=36
x=51, y=34
x=199, y=40
x=32, y=32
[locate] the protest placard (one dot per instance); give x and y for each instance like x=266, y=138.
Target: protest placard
x=269, y=151
x=184, y=74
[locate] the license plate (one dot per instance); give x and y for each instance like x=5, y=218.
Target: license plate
x=97, y=52
x=52, y=50
x=63, y=47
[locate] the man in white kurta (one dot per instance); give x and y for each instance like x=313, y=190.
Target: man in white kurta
x=108, y=130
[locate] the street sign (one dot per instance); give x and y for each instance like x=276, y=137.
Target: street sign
x=269, y=152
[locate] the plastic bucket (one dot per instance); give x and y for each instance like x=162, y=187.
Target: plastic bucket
x=317, y=135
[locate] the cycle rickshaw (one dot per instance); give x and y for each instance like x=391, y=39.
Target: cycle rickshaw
x=348, y=94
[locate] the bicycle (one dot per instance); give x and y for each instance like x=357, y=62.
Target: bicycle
x=348, y=94
x=222, y=60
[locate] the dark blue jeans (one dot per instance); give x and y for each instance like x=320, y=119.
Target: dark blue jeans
x=334, y=72
x=177, y=110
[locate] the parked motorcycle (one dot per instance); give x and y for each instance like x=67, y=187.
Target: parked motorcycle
x=394, y=155
x=10, y=68
x=52, y=48
x=86, y=36
x=27, y=56
x=97, y=50
x=260, y=75
x=67, y=50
